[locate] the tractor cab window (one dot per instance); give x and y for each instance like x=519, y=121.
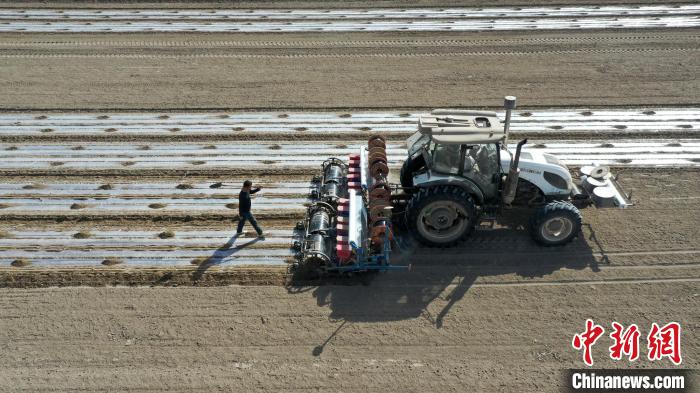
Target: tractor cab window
x=446, y=158
x=481, y=159
x=416, y=142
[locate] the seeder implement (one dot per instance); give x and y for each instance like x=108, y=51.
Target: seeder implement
x=348, y=225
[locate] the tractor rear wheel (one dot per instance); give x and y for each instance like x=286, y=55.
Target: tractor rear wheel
x=441, y=216
x=555, y=224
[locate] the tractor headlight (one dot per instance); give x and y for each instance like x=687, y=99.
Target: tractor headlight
x=554, y=160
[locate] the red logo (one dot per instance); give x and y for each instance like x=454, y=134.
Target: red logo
x=662, y=342
x=626, y=343
x=586, y=340
x=665, y=342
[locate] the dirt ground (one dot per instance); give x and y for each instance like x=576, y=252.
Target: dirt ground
x=338, y=71
x=389, y=337
x=496, y=313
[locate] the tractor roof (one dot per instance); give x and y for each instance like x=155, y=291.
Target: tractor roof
x=453, y=126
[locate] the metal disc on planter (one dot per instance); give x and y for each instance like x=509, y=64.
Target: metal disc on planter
x=376, y=142
x=376, y=153
x=586, y=170
x=378, y=211
x=377, y=136
x=604, y=192
x=600, y=172
x=380, y=193
x=380, y=184
x=590, y=183
x=604, y=196
x=379, y=170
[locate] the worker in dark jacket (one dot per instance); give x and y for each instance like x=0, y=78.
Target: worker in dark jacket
x=244, y=209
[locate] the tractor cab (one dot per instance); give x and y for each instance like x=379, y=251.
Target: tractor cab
x=457, y=146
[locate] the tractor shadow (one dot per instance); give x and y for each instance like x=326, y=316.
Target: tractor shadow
x=488, y=256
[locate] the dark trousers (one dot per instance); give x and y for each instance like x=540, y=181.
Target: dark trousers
x=247, y=216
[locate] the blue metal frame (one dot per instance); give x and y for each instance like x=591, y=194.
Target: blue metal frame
x=364, y=262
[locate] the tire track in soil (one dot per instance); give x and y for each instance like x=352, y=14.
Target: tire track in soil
x=350, y=43
x=337, y=55
x=26, y=278
x=598, y=282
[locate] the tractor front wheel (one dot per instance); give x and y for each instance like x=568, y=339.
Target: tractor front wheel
x=441, y=216
x=555, y=224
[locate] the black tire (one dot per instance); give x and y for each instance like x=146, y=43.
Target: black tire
x=308, y=271
x=408, y=169
x=455, y=207
x=555, y=224
x=406, y=176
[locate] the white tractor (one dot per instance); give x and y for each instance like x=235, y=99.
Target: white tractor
x=459, y=171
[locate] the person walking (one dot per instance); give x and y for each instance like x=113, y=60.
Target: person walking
x=244, y=206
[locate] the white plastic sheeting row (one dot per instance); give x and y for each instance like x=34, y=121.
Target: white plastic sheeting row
x=496, y=24
x=114, y=206
x=147, y=124
x=187, y=156
x=146, y=189
x=324, y=14
x=143, y=248
x=572, y=114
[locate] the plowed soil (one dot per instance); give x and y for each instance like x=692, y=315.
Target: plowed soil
x=361, y=70
x=496, y=313
x=389, y=337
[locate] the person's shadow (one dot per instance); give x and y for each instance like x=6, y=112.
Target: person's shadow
x=220, y=256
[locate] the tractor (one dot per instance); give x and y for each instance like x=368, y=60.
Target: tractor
x=459, y=172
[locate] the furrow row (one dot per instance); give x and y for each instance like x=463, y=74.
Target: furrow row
x=42, y=55
x=131, y=43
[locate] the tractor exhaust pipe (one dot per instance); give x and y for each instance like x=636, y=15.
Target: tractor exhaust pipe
x=513, y=174
x=509, y=103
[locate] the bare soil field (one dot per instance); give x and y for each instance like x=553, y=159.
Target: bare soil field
x=495, y=313
x=335, y=71
x=389, y=336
